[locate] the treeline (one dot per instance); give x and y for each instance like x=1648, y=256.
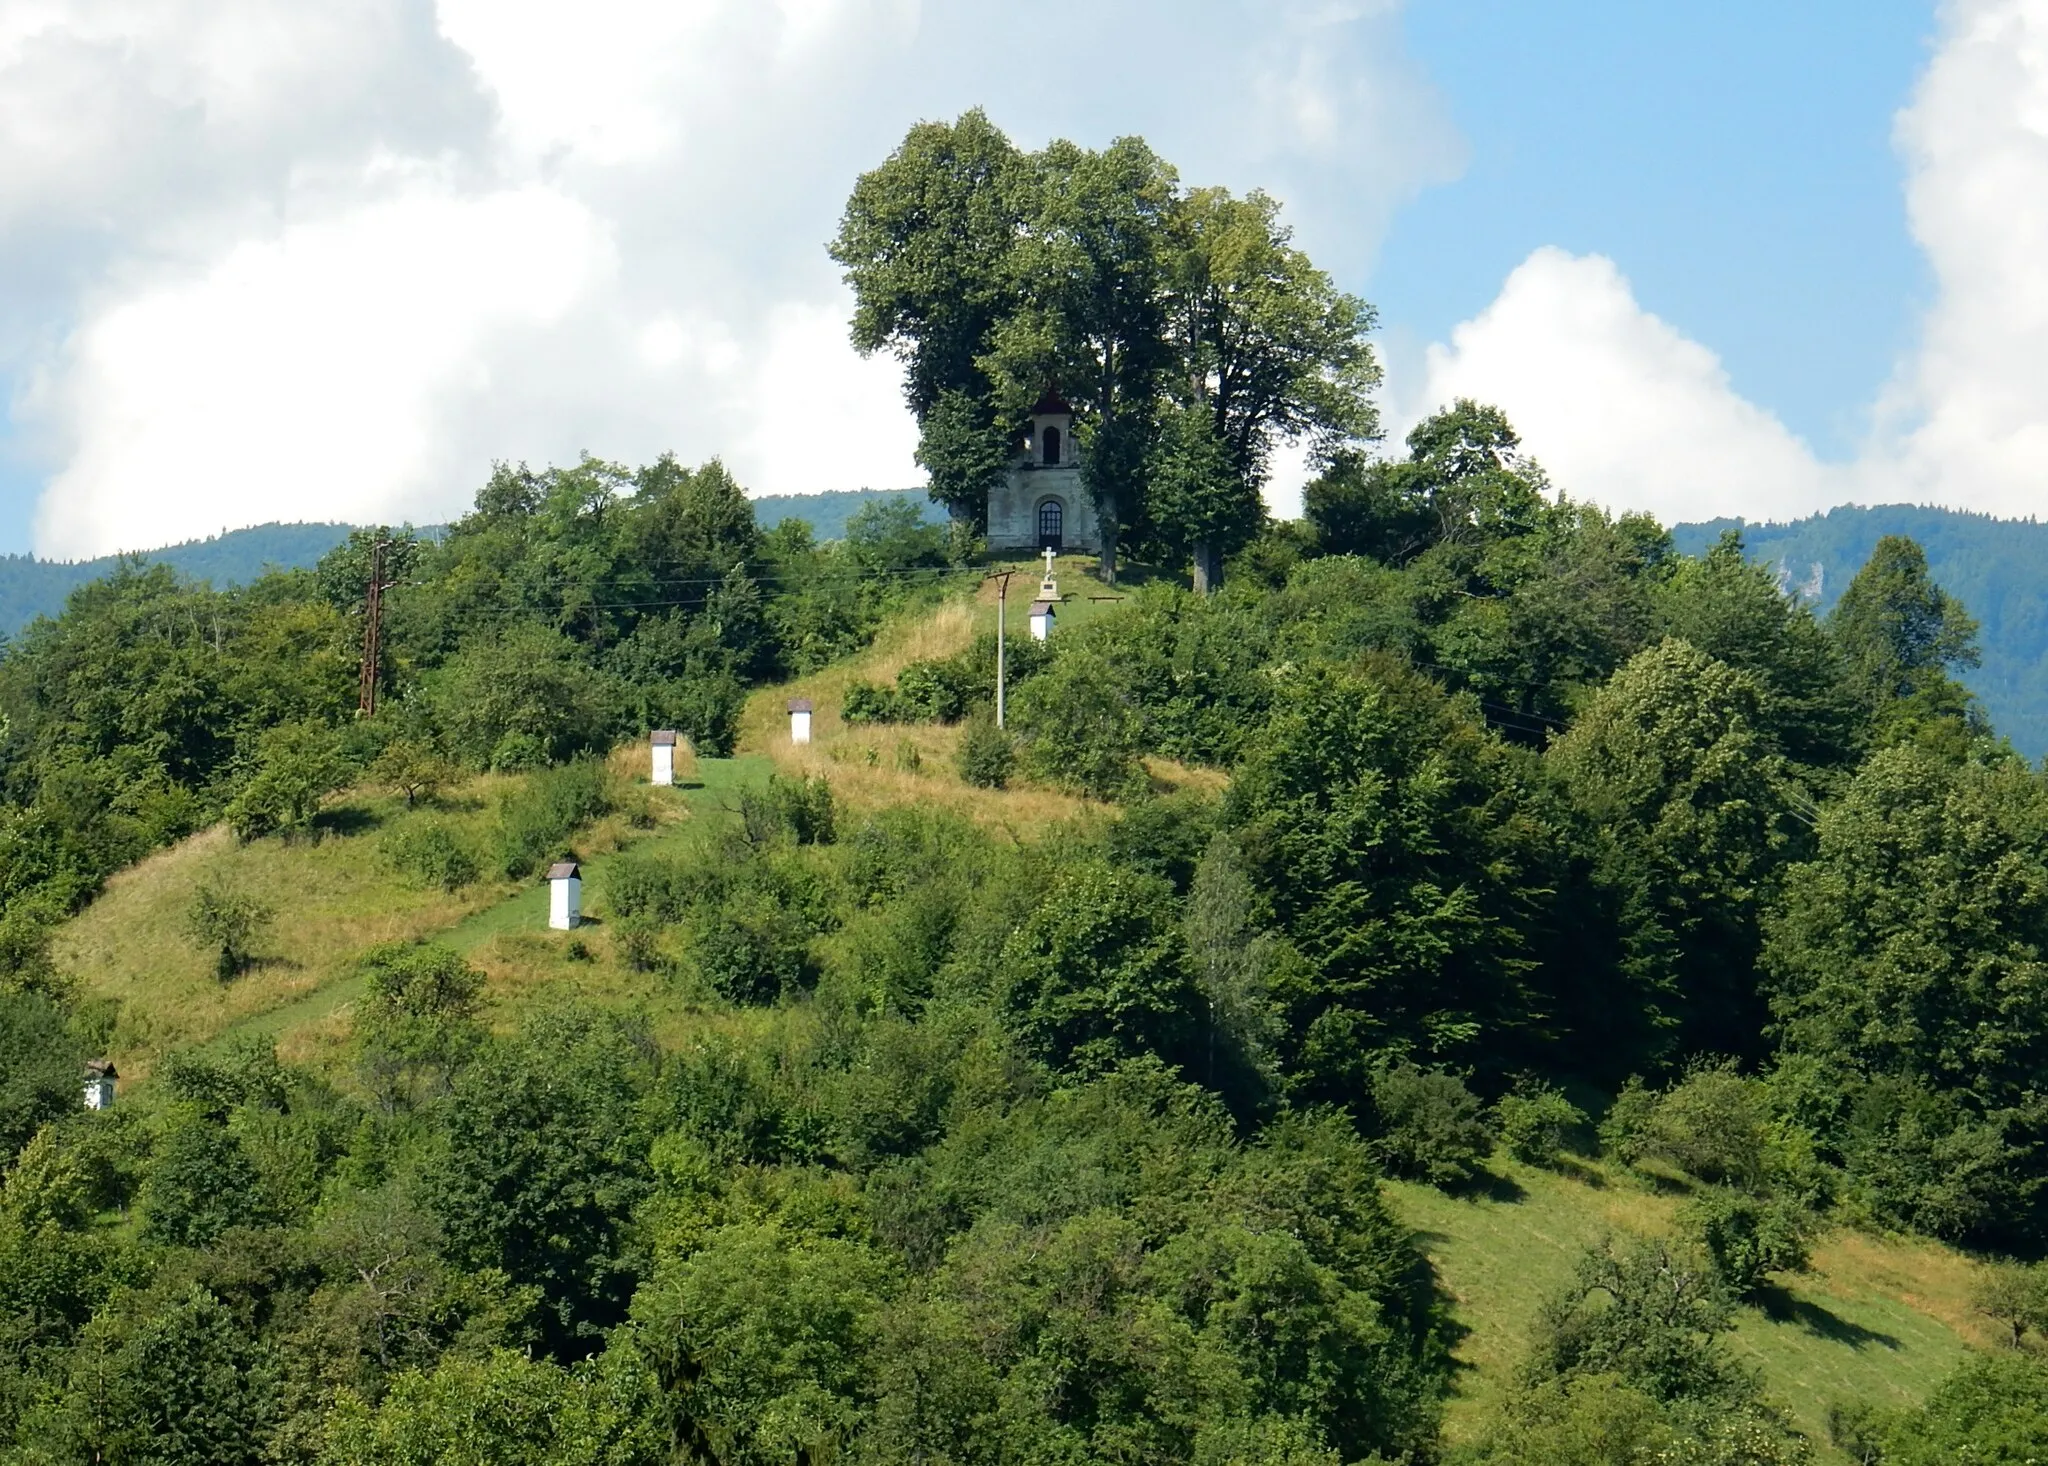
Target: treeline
x=571, y=607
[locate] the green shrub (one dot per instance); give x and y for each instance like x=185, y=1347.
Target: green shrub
x=297, y=765
x=1537, y=1124
x=945, y=689
x=799, y=809
x=1647, y=1313
x=431, y=854
x=705, y=710
x=1624, y=1129
x=229, y=923
x=1747, y=1237
x=535, y=822
x=1713, y=1126
x=411, y=767
x=2016, y=1295
x=986, y=757
x=867, y=703
x=645, y=888
x=524, y=699
x=751, y=950
x=1080, y=727
x=200, y=1184
x=39, y=1068
x=1430, y=1126
x=1993, y=1410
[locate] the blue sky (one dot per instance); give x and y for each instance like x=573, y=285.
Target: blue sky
x=330, y=261
x=1735, y=159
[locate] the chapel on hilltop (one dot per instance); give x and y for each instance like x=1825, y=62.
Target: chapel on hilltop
x=1041, y=504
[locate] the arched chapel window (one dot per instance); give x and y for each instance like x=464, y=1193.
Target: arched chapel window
x=1052, y=524
x=1051, y=438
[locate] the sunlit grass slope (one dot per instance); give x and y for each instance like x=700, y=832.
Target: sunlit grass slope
x=871, y=766
x=1875, y=1319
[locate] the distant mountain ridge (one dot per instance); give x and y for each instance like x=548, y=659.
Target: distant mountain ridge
x=30, y=587
x=1998, y=568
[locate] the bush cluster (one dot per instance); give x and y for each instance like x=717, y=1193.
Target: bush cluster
x=433, y=854
x=536, y=820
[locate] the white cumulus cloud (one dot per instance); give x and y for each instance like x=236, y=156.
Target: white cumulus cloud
x=1624, y=409
x=309, y=370
x=265, y=261
x=1620, y=406
x=1967, y=420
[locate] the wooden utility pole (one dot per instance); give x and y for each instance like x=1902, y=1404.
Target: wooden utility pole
x=1002, y=604
x=373, y=632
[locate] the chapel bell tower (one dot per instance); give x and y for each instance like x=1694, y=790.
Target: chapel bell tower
x=1050, y=439
x=1041, y=502
x=1049, y=453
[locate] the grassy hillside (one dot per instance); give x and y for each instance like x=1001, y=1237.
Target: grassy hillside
x=335, y=894
x=1875, y=1319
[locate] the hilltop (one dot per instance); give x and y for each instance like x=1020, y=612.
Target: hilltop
x=1447, y=990
x=1876, y=1318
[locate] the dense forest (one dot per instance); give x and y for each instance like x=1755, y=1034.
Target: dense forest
x=30, y=587
x=1456, y=822
x=1994, y=566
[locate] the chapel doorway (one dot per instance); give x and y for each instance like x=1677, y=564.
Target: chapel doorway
x=1052, y=525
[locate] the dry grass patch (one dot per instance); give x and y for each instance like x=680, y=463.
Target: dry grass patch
x=1178, y=778
x=764, y=722
x=332, y=897
x=866, y=767
x=634, y=762
x=528, y=969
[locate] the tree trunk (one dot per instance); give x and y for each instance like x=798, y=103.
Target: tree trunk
x=1208, y=570
x=1106, y=522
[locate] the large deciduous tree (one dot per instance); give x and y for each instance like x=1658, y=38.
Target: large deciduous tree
x=1900, y=633
x=1669, y=767
x=1910, y=989
x=1387, y=835
x=926, y=242
x=992, y=273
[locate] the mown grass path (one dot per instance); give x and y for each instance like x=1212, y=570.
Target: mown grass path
x=714, y=790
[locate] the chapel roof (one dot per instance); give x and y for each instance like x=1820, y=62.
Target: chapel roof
x=564, y=870
x=1052, y=404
